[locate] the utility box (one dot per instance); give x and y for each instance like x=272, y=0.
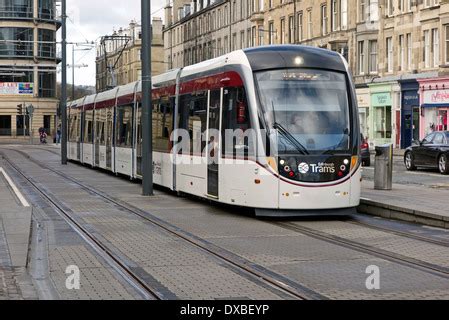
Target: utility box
x=383, y=169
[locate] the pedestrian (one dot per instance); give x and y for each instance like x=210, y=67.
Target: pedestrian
x=58, y=135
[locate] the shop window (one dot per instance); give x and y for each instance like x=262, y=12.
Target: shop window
x=382, y=123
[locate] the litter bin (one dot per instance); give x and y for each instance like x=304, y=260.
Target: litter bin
x=383, y=170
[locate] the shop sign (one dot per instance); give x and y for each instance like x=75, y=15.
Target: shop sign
x=381, y=99
x=16, y=88
x=436, y=96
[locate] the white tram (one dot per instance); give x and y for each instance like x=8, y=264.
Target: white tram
x=298, y=103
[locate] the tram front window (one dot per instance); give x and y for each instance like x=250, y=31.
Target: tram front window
x=308, y=108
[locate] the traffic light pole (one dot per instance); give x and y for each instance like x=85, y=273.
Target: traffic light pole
x=147, y=130
x=63, y=102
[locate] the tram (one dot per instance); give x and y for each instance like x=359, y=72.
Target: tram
x=273, y=128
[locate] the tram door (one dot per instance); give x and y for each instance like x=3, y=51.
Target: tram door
x=213, y=138
x=139, y=140
x=81, y=136
x=109, y=136
x=99, y=134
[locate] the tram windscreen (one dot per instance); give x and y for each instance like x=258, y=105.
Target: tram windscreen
x=309, y=108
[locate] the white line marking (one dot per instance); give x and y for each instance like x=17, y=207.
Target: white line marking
x=19, y=195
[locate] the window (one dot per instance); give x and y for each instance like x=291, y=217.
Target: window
x=373, y=56
x=19, y=42
x=427, y=49
x=193, y=117
x=409, y=51
x=301, y=33
x=282, y=31
x=344, y=14
x=382, y=122
x=47, y=43
x=47, y=83
x=362, y=10
x=47, y=9
x=324, y=20
x=389, y=54
x=162, y=124
x=310, y=24
x=88, y=126
x=270, y=33
x=390, y=7
x=124, y=130
x=335, y=15
x=447, y=42
x=16, y=8
x=401, y=53
x=361, y=53
x=236, y=121
x=435, y=48
x=291, y=29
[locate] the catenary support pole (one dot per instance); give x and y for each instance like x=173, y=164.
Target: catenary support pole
x=147, y=131
x=63, y=102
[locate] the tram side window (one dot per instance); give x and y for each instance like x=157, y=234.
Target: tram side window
x=100, y=121
x=193, y=109
x=88, y=128
x=73, y=134
x=124, y=126
x=162, y=124
x=236, y=136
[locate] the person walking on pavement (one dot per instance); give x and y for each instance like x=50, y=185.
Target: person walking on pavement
x=58, y=135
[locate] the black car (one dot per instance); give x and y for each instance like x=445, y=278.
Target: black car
x=366, y=155
x=432, y=152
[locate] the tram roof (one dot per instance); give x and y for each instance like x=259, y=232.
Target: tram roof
x=293, y=56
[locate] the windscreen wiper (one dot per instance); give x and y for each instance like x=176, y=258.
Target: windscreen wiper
x=280, y=128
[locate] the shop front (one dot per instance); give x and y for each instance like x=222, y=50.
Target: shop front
x=410, y=112
x=363, y=101
x=434, y=99
x=382, y=126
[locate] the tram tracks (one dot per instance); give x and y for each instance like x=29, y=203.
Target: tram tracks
x=265, y=274
x=289, y=287
x=371, y=250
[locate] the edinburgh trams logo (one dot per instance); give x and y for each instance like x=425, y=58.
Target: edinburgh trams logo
x=303, y=168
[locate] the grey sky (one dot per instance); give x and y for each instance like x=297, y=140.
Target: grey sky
x=91, y=19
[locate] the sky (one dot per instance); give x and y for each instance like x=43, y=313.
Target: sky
x=88, y=20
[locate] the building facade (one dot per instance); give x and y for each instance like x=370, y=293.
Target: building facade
x=118, y=60
x=390, y=46
x=28, y=62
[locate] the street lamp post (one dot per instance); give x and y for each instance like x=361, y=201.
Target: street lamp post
x=147, y=130
x=63, y=104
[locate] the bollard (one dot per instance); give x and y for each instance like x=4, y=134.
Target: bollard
x=383, y=170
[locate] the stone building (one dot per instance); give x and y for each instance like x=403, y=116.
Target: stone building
x=393, y=47
x=123, y=56
x=28, y=62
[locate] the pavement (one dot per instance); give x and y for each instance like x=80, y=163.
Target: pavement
x=421, y=196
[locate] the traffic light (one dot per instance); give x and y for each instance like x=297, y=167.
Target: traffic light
x=19, y=109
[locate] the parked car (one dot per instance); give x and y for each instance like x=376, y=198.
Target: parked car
x=366, y=155
x=432, y=152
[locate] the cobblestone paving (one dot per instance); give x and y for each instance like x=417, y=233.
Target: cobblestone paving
x=158, y=255
x=332, y=270
x=9, y=289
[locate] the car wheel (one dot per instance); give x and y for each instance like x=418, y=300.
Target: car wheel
x=443, y=164
x=410, y=162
